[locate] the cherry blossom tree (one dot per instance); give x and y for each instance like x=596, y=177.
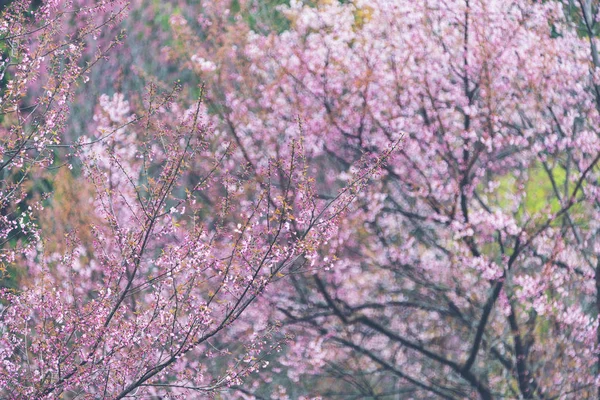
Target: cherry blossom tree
x=471, y=268
x=155, y=292
x=164, y=239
